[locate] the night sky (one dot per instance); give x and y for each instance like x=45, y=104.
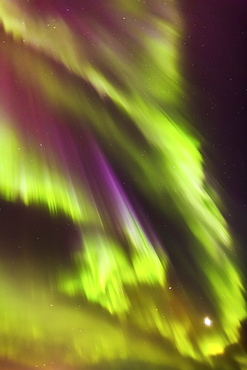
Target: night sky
x=123, y=201
x=216, y=43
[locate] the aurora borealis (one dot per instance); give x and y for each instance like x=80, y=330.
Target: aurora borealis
x=97, y=128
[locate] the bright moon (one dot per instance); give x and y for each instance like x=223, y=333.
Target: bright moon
x=207, y=321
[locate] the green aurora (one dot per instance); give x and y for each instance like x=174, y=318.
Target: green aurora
x=87, y=92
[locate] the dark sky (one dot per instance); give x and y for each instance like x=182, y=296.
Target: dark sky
x=216, y=43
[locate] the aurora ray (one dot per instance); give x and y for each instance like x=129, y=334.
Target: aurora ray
x=87, y=90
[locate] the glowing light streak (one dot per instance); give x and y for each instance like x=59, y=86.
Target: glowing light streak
x=81, y=74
